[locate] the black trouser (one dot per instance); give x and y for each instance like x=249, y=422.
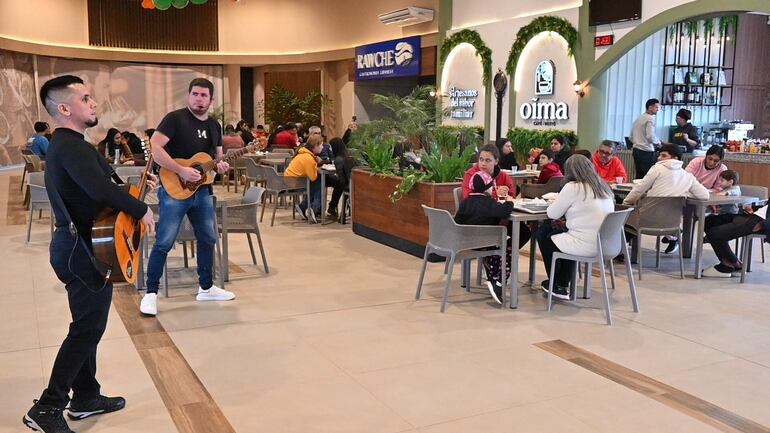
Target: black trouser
x=564, y=268
x=89, y=302
x=721, y=229
x=334, y=182
x=643, y=162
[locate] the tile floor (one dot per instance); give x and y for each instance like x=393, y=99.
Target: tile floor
x=332, y=340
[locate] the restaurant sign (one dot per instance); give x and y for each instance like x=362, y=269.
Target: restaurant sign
x=396, y=58
x=462, y=102
x=544, y=113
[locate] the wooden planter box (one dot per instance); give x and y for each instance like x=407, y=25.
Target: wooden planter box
x=403, y=224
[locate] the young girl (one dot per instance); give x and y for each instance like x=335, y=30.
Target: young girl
x=548, y=168
x=481, y=209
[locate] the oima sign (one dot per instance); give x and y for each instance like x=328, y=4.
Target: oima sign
x=462, y=102
x=396, y=58
x=545, y=113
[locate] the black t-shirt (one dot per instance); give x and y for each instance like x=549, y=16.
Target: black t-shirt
x=189, y=135
x=82, y=178
x=688, y=130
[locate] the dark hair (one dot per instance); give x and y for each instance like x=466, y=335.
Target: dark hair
x=56, y=84
x=562, y=140
x=491, y=148
x=338, y=147
x=716, y=150
x=608, y=143
x=730, y=175
x=290, y=126
x=149, y=131
x=241, y=124
x=229, y=128
x=260, y=127
x=109, y=139
x=547, y=152
x=201, y=82
x=583, y=152
x=500, y=142
x=672, y=149
x=684, y=114
x=40, y=126
x=650, y=103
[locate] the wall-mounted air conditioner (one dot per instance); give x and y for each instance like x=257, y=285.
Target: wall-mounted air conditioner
x=407, y=16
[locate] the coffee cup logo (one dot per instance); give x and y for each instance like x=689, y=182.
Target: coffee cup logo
x=544, y=78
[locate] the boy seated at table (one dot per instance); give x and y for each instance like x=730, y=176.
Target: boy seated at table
x=721, y=229
x=481, y=209
x=548, y=167
x=728, y=182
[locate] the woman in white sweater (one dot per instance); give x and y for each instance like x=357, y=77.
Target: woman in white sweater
x=584, y=201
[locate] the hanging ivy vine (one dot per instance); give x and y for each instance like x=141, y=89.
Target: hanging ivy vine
x=471, y=37
x=725, y=24
x=538, y=25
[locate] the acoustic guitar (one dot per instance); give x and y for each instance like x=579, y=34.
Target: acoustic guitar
x=117, y=236
x=181, y=189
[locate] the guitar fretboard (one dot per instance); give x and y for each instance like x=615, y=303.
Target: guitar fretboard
x=233, y=154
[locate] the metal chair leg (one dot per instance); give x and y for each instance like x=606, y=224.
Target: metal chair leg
x=262, y=251
x=657, y=252
x=448, y=283
x=630, y=274
x=681, y=259
x=612, y=274
x=29, y=223
x=603, y=271
x=251, y=249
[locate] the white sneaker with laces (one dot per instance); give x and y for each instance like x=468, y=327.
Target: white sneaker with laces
x=149, y=304
x=214, y=293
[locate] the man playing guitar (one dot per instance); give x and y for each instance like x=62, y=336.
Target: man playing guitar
x=182, y=134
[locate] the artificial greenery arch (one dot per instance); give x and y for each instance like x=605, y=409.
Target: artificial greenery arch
x=471, y=37
x=545, y=23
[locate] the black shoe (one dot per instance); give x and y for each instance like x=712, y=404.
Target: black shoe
x=544, y=286
x=561, y=292
x=672, y=247
x=298, y=209
x=83, y=409
x=620, y=258
x=46, y=419
x=332, y=212
x=496, y=290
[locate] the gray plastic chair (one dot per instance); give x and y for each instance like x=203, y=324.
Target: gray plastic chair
x=762, y=193
x=534, y=190
x=254, y=174
x=32, y=164
x=611, y=242
x=457, y=193
x=38, y=199
x=283, y=150
x=456, y=242
x=242, y=218
x=657, y=216
x=279, y=186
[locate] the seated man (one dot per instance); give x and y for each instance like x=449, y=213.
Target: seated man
x=667, y=178
x=721, y=229
x=608, y=166
x=38, y=143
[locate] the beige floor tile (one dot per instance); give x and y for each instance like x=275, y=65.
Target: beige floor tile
x=737, y=385
x=444, y=390
x=333, y=405
x=615, y=409
x=19, y=330
x=19, y=388
x=541, y=417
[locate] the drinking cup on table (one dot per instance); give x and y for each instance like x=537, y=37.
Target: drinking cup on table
x=514, y=169
x=618, y=179
x=502, y=192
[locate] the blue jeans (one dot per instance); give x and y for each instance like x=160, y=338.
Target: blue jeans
x=199, y=209
x=315, y=197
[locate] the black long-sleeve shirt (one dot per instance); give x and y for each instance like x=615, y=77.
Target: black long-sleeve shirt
x=83, y=179
x=482, y=210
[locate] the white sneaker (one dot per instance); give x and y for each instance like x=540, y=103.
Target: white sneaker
x=711, y=272
x=149, y=304
x=214, y=293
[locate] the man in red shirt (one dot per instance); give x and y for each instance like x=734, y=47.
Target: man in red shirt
x=287, y=138
x=608, y=166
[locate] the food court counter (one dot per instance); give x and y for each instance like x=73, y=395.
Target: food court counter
x=753, y=168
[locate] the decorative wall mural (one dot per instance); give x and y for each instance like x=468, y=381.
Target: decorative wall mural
x=18, y=110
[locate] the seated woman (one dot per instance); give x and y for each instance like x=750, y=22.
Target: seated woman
x=489, y=156
x=343, y=164
x=305, y=164
x=584, y=201
x=114, y=141
x=481, y=209
x=507, y=157
x=561, y=151
x=707, y=168
x=231, y=139
x=548, y=168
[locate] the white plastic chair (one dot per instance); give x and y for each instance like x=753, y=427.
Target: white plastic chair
x=611, y=242
x=456, y=242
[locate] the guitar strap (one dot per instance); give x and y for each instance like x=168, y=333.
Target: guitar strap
x=102, y=268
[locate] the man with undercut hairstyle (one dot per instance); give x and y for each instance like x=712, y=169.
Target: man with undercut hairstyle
x=78, y=181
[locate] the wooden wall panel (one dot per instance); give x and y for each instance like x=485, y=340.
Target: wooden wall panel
x=125, y=24
x=297, y=82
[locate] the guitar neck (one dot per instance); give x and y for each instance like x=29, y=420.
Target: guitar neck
x=143, y=181
x=230, y=155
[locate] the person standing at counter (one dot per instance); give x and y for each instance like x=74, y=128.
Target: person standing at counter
x=507, y=157
x=686, y=134
x=608, y=166
x=644, y=139
x=708, y=168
